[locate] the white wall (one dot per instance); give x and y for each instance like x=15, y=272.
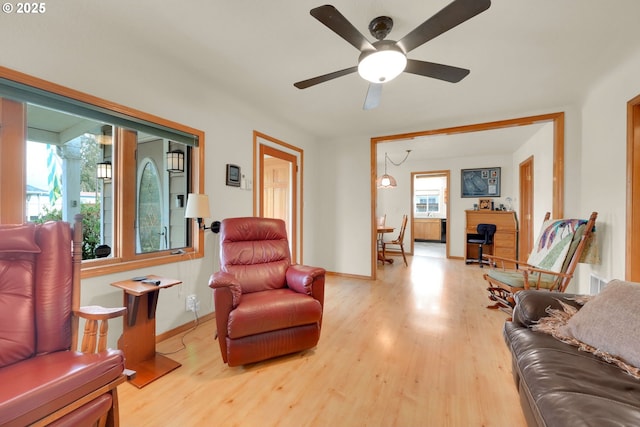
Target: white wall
x=603, y=175
x=540, y=146
x=343, y=229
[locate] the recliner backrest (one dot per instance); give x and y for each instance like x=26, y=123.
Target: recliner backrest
x=256, y=251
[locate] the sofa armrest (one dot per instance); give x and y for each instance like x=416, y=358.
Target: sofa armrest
x=531, y=305
x=306, y=280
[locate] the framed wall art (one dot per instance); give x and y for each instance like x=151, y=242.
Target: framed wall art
x=482, y=182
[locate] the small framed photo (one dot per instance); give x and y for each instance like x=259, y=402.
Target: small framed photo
x=484, y=204
x=233, y=175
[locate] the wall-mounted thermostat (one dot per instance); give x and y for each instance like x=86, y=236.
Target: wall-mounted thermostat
x=233, y=175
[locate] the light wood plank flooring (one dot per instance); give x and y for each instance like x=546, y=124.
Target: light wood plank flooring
x=417, y=347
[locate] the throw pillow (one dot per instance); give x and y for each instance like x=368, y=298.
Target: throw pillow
x=559, y=323
x=610, y=322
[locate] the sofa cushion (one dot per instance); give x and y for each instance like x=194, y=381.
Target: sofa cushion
x=54, y=287
x=610, y=322
x=17, y=318
x=272, y=310
x=19, y=238
x=566, y=385
x=43, y=384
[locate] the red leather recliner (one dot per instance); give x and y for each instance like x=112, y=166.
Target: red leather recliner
x=265, y=306
x=43, y=380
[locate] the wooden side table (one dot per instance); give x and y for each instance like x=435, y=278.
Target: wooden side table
x=138, y=340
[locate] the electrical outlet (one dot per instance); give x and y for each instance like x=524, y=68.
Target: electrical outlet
x=192, y=303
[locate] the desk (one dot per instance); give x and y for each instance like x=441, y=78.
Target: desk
x=505, y=241
x=138, y=340
x=381, y=232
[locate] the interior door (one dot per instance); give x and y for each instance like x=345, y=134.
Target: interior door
x=525, y=242
x=278, y=189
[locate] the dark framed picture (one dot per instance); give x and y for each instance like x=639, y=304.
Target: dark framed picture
x=233, y=175
x=481, y=182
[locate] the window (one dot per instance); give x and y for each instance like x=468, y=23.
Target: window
x=66, y=153
x=427, y=203
x=429, y=195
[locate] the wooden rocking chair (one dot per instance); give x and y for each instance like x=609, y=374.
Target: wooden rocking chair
x=560, y=247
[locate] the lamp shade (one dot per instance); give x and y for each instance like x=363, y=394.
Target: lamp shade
x=175, y=161
x=197, y=206
x=387, y=181
x=104, y=170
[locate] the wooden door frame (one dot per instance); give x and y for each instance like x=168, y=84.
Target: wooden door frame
x=275, y=146
x=446, y=173
x=632, y=242
x=558, y=160
x=525, y=245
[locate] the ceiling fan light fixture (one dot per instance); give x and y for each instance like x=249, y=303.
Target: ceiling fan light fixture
x=383, y=65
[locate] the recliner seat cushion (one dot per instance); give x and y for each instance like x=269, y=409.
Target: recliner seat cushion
x=48, y=382
x=272, y=310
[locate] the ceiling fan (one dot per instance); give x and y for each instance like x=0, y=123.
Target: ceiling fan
x=383, y=60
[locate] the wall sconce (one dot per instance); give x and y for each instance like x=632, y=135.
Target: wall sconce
x=175, y=161
x=198, y=207
x=104, y=170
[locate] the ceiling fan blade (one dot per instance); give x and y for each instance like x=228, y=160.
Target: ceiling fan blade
x=326, y=77
x=333, y=19
x=374, y=94
x=447, y=73
x=452, y=15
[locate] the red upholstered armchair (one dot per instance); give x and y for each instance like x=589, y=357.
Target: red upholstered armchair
x=43, y=380
x=265, y=306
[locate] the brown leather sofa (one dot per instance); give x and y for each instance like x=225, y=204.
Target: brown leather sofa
x=43, y=380
x=265, y=306
x=560, y=385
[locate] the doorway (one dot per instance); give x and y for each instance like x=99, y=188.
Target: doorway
x=632, y=267
x=278, y=189
x=556, y=174
x=429, y=213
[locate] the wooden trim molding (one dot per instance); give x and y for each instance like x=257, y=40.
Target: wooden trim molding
x=632, y=241
x=12, y=128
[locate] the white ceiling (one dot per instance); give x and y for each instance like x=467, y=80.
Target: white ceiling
x=525, y=56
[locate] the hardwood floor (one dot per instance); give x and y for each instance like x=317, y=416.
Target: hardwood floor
x=417, y=347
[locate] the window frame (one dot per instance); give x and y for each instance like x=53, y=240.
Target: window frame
x=13, y=176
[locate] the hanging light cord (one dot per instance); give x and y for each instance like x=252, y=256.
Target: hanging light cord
x=394, y=163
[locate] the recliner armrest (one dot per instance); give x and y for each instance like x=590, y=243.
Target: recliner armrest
x=301, y=278
x=222, y=279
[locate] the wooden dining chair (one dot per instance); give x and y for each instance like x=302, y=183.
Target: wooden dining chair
x=399, y=241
